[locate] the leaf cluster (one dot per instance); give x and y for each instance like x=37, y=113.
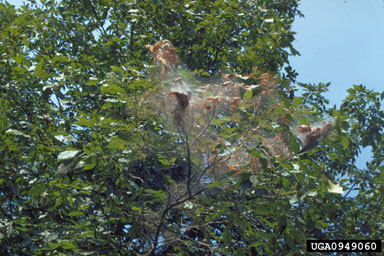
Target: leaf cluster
x=90, y=166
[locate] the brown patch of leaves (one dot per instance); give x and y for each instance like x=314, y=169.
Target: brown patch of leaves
x=165, y=54
x=311, y=136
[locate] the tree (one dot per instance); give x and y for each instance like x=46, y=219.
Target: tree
x=102, y=154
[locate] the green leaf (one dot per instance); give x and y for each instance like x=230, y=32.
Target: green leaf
x=112, y=89
x=254, y=152
x=345, y=142
x=69, y=245
x=282, y=223
x=221, y=120
x=227, y=237
x=216, y=184
x=294, y=145
x=92, y=81
x=256, y=244
x=137, y=209
x=16, y=132
x=140, y=84
x=247, y=95
x=85, y=122
x=36, y=190
x=53, y=245
x=107, y=105
x=75, y=213
x=261, y=210
x=156, y=194
x=84, y=64
x=90, y=163
x=39, y=68
x=164, y=161
x=321, y=224
x=117, y=143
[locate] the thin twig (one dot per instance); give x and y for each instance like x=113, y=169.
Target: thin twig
x=97, y=18
x=162, y=218
x=349, y=191
x=210, y=122
x=188, y=148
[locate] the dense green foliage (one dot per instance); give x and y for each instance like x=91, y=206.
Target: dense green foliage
x=89, y=168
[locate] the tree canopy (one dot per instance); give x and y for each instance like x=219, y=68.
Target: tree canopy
x=111, y=145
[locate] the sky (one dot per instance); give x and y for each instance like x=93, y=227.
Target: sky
x=340, y=41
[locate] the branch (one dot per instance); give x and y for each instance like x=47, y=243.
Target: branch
x=162, y=218
x=210, y=122
x=211, y=63
x=221, y=44
x=29, y=115
x=349, y=191
x=188, y=148
x=97, y=18
x=212, y=164
x=131, y=37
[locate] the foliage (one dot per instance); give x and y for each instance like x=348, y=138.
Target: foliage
x=93, y=163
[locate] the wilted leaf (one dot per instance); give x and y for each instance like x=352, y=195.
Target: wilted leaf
x=334, y=188
x=64, y=167
x=188, y=205
x=63, y=138
x=16, y=132
x=293, y=199
x=67, y=154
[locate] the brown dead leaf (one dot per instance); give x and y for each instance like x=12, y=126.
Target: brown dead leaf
x=264, y=76
x=227, y=83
